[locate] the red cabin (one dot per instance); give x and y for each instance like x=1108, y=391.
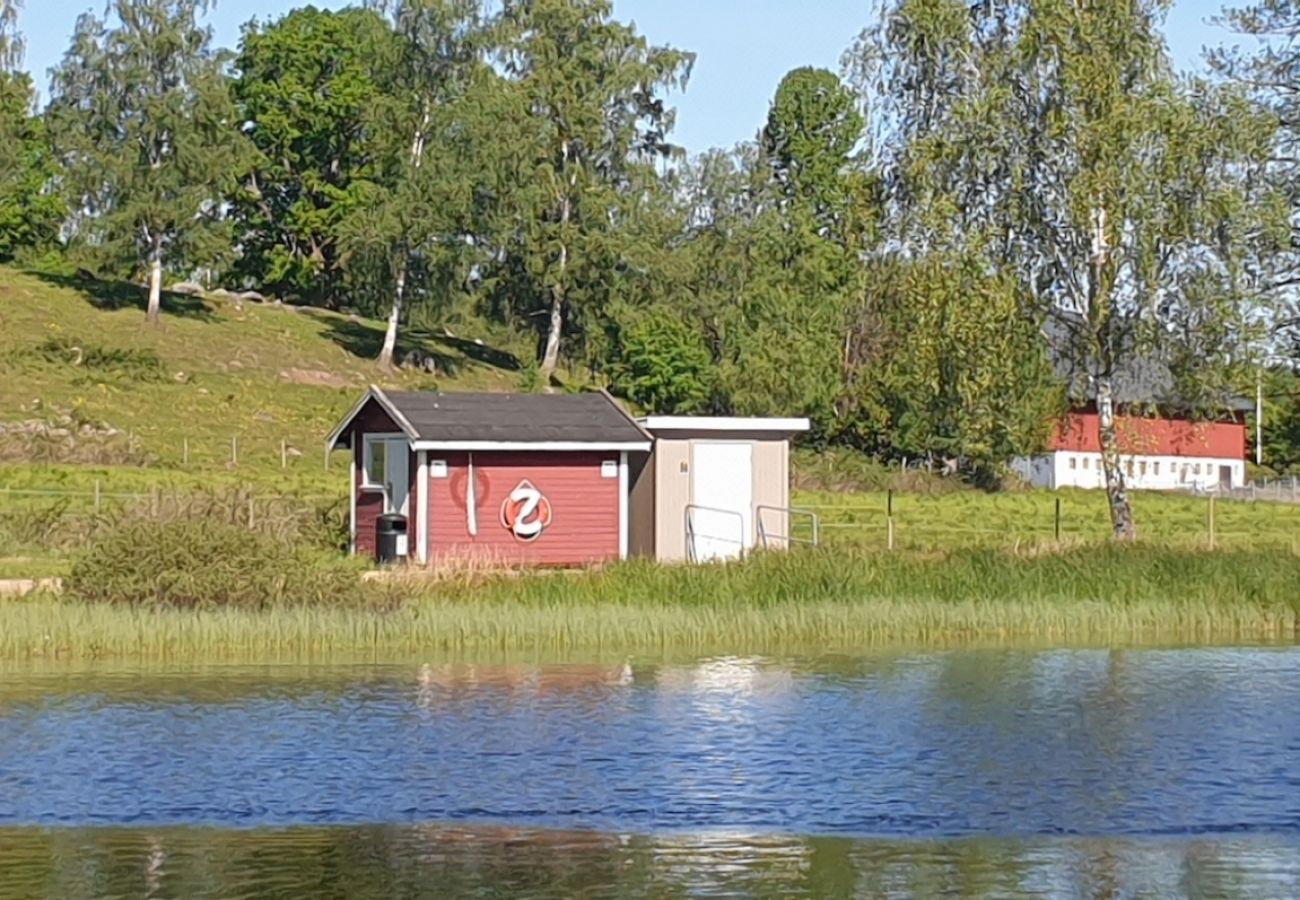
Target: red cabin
x=502, y=478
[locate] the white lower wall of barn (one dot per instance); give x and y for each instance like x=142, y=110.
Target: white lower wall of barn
x=1064, y=469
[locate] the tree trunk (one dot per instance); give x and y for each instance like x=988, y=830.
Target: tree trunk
x=155, y=287
x=394, y=316
x=389, y=349
x=551, y=354
x=1121, y=511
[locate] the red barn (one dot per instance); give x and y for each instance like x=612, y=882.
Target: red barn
x=505, y=478
x=1162, y=445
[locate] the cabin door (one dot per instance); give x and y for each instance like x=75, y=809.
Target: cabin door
x=720, y=520
x=397, y=476
x=1225, y=477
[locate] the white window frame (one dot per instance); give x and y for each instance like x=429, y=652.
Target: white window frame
x=368, y=442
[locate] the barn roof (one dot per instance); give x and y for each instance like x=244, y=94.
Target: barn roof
x=472, y=421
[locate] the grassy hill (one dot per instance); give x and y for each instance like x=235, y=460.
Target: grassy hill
x=77, y=356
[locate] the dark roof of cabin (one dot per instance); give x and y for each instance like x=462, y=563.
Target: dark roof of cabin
x=586, y=418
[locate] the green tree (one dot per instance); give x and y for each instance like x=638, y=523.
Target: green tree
x=1053, y=135
x=308, y=89
x=812, y=130
x=661, y=363
x=952, y=369
x=144, y=124
x=790, y=252
x=589, y=87
x=30, y=213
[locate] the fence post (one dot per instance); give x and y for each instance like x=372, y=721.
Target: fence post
x=234, y=450
x=185, y=451
x=1058, y=520
x=97, y=500
x=1211, y=521
x=327, y=457
x=284, y=454
x=889, y=532
x=889, y=503
x=251, y=519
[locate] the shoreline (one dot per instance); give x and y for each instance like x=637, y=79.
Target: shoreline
x=814, y=600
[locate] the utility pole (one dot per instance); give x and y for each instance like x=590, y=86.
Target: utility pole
x=1259, y=420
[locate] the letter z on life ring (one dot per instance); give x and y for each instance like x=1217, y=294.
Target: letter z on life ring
x=526, y=512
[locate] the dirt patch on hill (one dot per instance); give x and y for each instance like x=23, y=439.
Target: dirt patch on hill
x=315, y=378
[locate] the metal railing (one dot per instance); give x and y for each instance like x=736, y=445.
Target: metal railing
x=766, y=538
x=692, y=535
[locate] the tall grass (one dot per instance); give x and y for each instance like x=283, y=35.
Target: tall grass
x=808, y=599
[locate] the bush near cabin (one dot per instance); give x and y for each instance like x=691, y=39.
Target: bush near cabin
x=206, y=564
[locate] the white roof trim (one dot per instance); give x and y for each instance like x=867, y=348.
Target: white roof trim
x=631, y=446
x=722, y=423
x=376, y=394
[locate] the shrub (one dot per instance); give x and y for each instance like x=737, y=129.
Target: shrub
x=662, y=364
x=125, y=363
x=206, y=564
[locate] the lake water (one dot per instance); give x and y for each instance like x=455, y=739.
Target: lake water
x=1137, y=772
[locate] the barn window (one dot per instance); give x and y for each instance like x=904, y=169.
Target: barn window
x=1128, y=467
x=1073, y=462
x=1085, y=464
x=1155, y=468
x=1196, y=469
x=1142, y=468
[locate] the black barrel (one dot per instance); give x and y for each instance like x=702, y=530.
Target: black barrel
x=390, y=543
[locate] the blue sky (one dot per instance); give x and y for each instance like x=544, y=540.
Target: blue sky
x=744, y=46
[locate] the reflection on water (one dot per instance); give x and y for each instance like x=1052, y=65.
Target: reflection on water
x=429, y=861
x=1063, y=773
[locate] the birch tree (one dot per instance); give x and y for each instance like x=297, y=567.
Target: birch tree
x=11, y=41
x=1268, y=71
x=591, y=87
x=410, y=216
x=1124, y=200
x=143, y=121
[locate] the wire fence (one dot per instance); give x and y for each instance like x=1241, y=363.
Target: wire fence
x=913, y=523
x=38, y=521
x=170, y=446
x=1284, y=489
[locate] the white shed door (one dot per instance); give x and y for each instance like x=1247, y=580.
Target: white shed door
x=720, y=524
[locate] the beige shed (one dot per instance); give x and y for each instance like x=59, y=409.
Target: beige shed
x=712, y=487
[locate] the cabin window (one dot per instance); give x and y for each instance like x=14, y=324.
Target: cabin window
x=1196, y=469
x=374, y=462
x=1155, y=469
x=1142, y=468
x=1128, y=467
x=1073, y=462
x=1085, y=463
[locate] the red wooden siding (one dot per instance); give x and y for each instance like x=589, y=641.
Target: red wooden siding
x=370, y=504
x=585, y=506
x=1077, y=433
